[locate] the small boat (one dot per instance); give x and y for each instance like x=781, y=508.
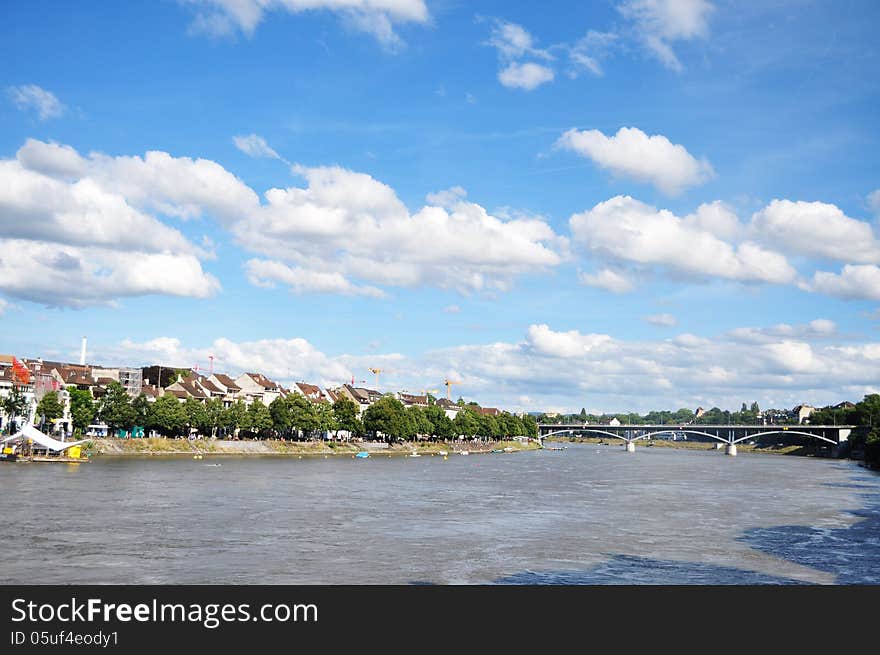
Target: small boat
x=508, y=449
x=8, y=457
x=413, y=454
x=464, y=452
x=362, y=455
x=442, y=452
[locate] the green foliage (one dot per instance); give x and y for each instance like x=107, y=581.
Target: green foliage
x=466, y=423
x=235, y=417
x=82, y=408
x=259, y=420
x=50, y=407
x=326, y=419
x=115, y=409
x=196, y=417
x=530, y=426
x=213, y=417
x=387, y=416
x=346, y=413
x=418, y=424
x=141, y=407
x=14, y=404
x=441, y=425
x=167, y=416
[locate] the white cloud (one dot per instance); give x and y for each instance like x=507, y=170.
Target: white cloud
x=816, y=229
x=452, y=309
x=253, y=145
x=375, y=17
x=632, y=153
x=527, y=76
x=263, y=273
x=662, y=22
x=280, y=359
x=588, y=52
x=3, y=306
x=513, y=42
x=716, y=218
x=855, y=282
x=571, y=369
x=31, y=96
x=820, y=328
x=607, y=279
x=69, y=238
x=627, y=230
x=663, y=320
x=352, y=224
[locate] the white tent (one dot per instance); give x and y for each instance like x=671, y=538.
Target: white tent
x=30, y=432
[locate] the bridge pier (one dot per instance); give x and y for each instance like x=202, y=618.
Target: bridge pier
x=731, y=449
x=630, y=447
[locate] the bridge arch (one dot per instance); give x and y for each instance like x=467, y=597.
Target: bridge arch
x=785, y=432
x=610, y=434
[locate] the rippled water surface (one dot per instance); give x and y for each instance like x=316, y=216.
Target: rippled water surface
x=587, y=514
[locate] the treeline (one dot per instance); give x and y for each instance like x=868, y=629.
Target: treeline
x=290, y=417
x=864, y=414
x=747, y=415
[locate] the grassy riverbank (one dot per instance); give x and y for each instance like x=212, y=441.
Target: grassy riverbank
x=159, y=446
x=804, y=451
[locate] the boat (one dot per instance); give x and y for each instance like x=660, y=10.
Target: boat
x=413, y=454
x=362, y=455
x=464, y=452
x=508, y=449
x=8, y=456
x=442, y=452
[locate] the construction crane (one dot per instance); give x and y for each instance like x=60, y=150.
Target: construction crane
x=448, y=384
x=376, y=372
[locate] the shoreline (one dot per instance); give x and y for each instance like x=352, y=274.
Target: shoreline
x=797, y=451
x=114, y=447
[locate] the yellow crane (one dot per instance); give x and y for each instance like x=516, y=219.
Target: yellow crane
x=376, y=372
x=448, y=384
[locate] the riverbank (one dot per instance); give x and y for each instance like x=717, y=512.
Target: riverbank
x=160, y=446
x=802, y=451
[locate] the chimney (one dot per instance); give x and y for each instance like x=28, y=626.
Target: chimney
x=82, y=354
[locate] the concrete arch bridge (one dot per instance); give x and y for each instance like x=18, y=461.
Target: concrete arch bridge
x=730, y=435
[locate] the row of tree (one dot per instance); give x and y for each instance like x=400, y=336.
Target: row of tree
x=292, y=416
x=747, y=415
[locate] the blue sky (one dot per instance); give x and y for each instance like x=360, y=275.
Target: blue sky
x=618, y=205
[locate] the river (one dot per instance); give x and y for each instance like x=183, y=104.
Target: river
x=588, y=514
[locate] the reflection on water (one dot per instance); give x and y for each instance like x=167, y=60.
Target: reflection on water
x=588, y=514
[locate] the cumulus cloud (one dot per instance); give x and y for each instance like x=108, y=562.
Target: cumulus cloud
x=659, y=23
x=352, y=224
x=74, y=234
x=663, y=320
x=627, y=230
x=571, y=369
x=284, y=360
x=263, y=273
x=820, y=328
x=32, y=97
x=816, y=229
x=633, y=154
x=607, y=279
x=514, y=43
x=527, y=76
x=375, y=17
x=854, y=282
x=253, y=145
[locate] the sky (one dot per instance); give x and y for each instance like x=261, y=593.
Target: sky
x=621, y=205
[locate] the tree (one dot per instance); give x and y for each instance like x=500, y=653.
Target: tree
x=50, y=407
x=303, y=416
x=325, y=418
x=583, y=415
x=259, y=418
x=141, y=407
x=466, y=423
x=235, y=417
x=346, y=413
x=386, y=416
x=14, y=404
x=487, y=426
x=82, y=409
x=213, y=417
x=530, y=426
x=167, y=416
x=116, y=410
x=441, y=425
x=419, y=425
x=195, y=414
x=279, y=410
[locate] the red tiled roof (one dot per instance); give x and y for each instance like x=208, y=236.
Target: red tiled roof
x=227, y=382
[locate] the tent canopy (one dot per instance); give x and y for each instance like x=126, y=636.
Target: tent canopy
x=30, y=432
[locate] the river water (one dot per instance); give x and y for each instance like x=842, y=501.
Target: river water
x=587, y=514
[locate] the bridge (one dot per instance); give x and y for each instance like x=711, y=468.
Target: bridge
x=730, y=435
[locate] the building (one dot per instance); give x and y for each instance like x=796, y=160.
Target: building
x=360, y=395
x=410, y=400
x=699, y=412
x=449, y=408
x=311, y=391
x=226, y=384
x=256, y=386
x=802, y=413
